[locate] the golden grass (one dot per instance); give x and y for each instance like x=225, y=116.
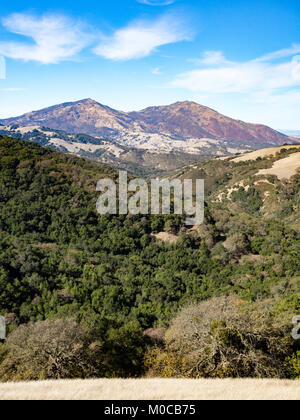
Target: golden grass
x=153, y=389
x=263, y=153
x=283, y=168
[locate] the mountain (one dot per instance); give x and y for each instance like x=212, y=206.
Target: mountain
x=189, y=119
x=179, y=121
x=86, y=116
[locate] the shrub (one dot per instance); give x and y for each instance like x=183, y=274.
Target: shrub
x=294, y=365
x=164, y=363
x=50, y=349
x=219, y=338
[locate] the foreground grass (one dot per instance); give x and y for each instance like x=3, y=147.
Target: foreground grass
x=153, y=389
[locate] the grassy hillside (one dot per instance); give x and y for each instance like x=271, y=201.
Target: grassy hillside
x=87, y=295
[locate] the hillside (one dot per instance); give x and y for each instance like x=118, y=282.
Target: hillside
x=267, y=173
x=142, y=154
x=264, y=153
x=182, y=120
x=105, y=289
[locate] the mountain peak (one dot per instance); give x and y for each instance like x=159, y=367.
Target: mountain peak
x=181, y=120
x=186, y=103
x=177, y=107
x=88, y=101
x=192, y=105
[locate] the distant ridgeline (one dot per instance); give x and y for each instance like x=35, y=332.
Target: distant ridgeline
x=104, y=289
x=145, y=142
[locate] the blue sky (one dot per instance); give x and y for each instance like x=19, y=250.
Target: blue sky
x=239, y=57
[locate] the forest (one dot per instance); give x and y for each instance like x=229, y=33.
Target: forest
x=86, y=295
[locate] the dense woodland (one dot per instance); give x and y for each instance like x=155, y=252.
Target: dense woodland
x=86, y=295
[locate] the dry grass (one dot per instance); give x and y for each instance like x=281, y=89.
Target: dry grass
x=263, y=153
x=283, y=168
x=153, y=389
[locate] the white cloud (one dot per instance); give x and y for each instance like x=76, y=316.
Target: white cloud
x=218, y=75
x=140, y=38
x=157, y=71
x=157, y=2
x=55, y=38
x=287, y=52
x=212, y=58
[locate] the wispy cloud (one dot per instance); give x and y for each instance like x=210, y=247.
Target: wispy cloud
x=287, y=52
x=140, y=38
x=157, y=2
x=211, y=58
x=157, y=71
x=55, y=38
x=267, y=73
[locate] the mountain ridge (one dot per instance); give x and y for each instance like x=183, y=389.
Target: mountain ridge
x=181, y=120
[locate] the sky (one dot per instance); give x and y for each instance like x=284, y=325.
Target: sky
x=239, y=57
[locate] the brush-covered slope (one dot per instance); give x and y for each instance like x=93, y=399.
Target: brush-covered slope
x=110, y=279
x=264, y=183
x=139, y=159
x=142, y=154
